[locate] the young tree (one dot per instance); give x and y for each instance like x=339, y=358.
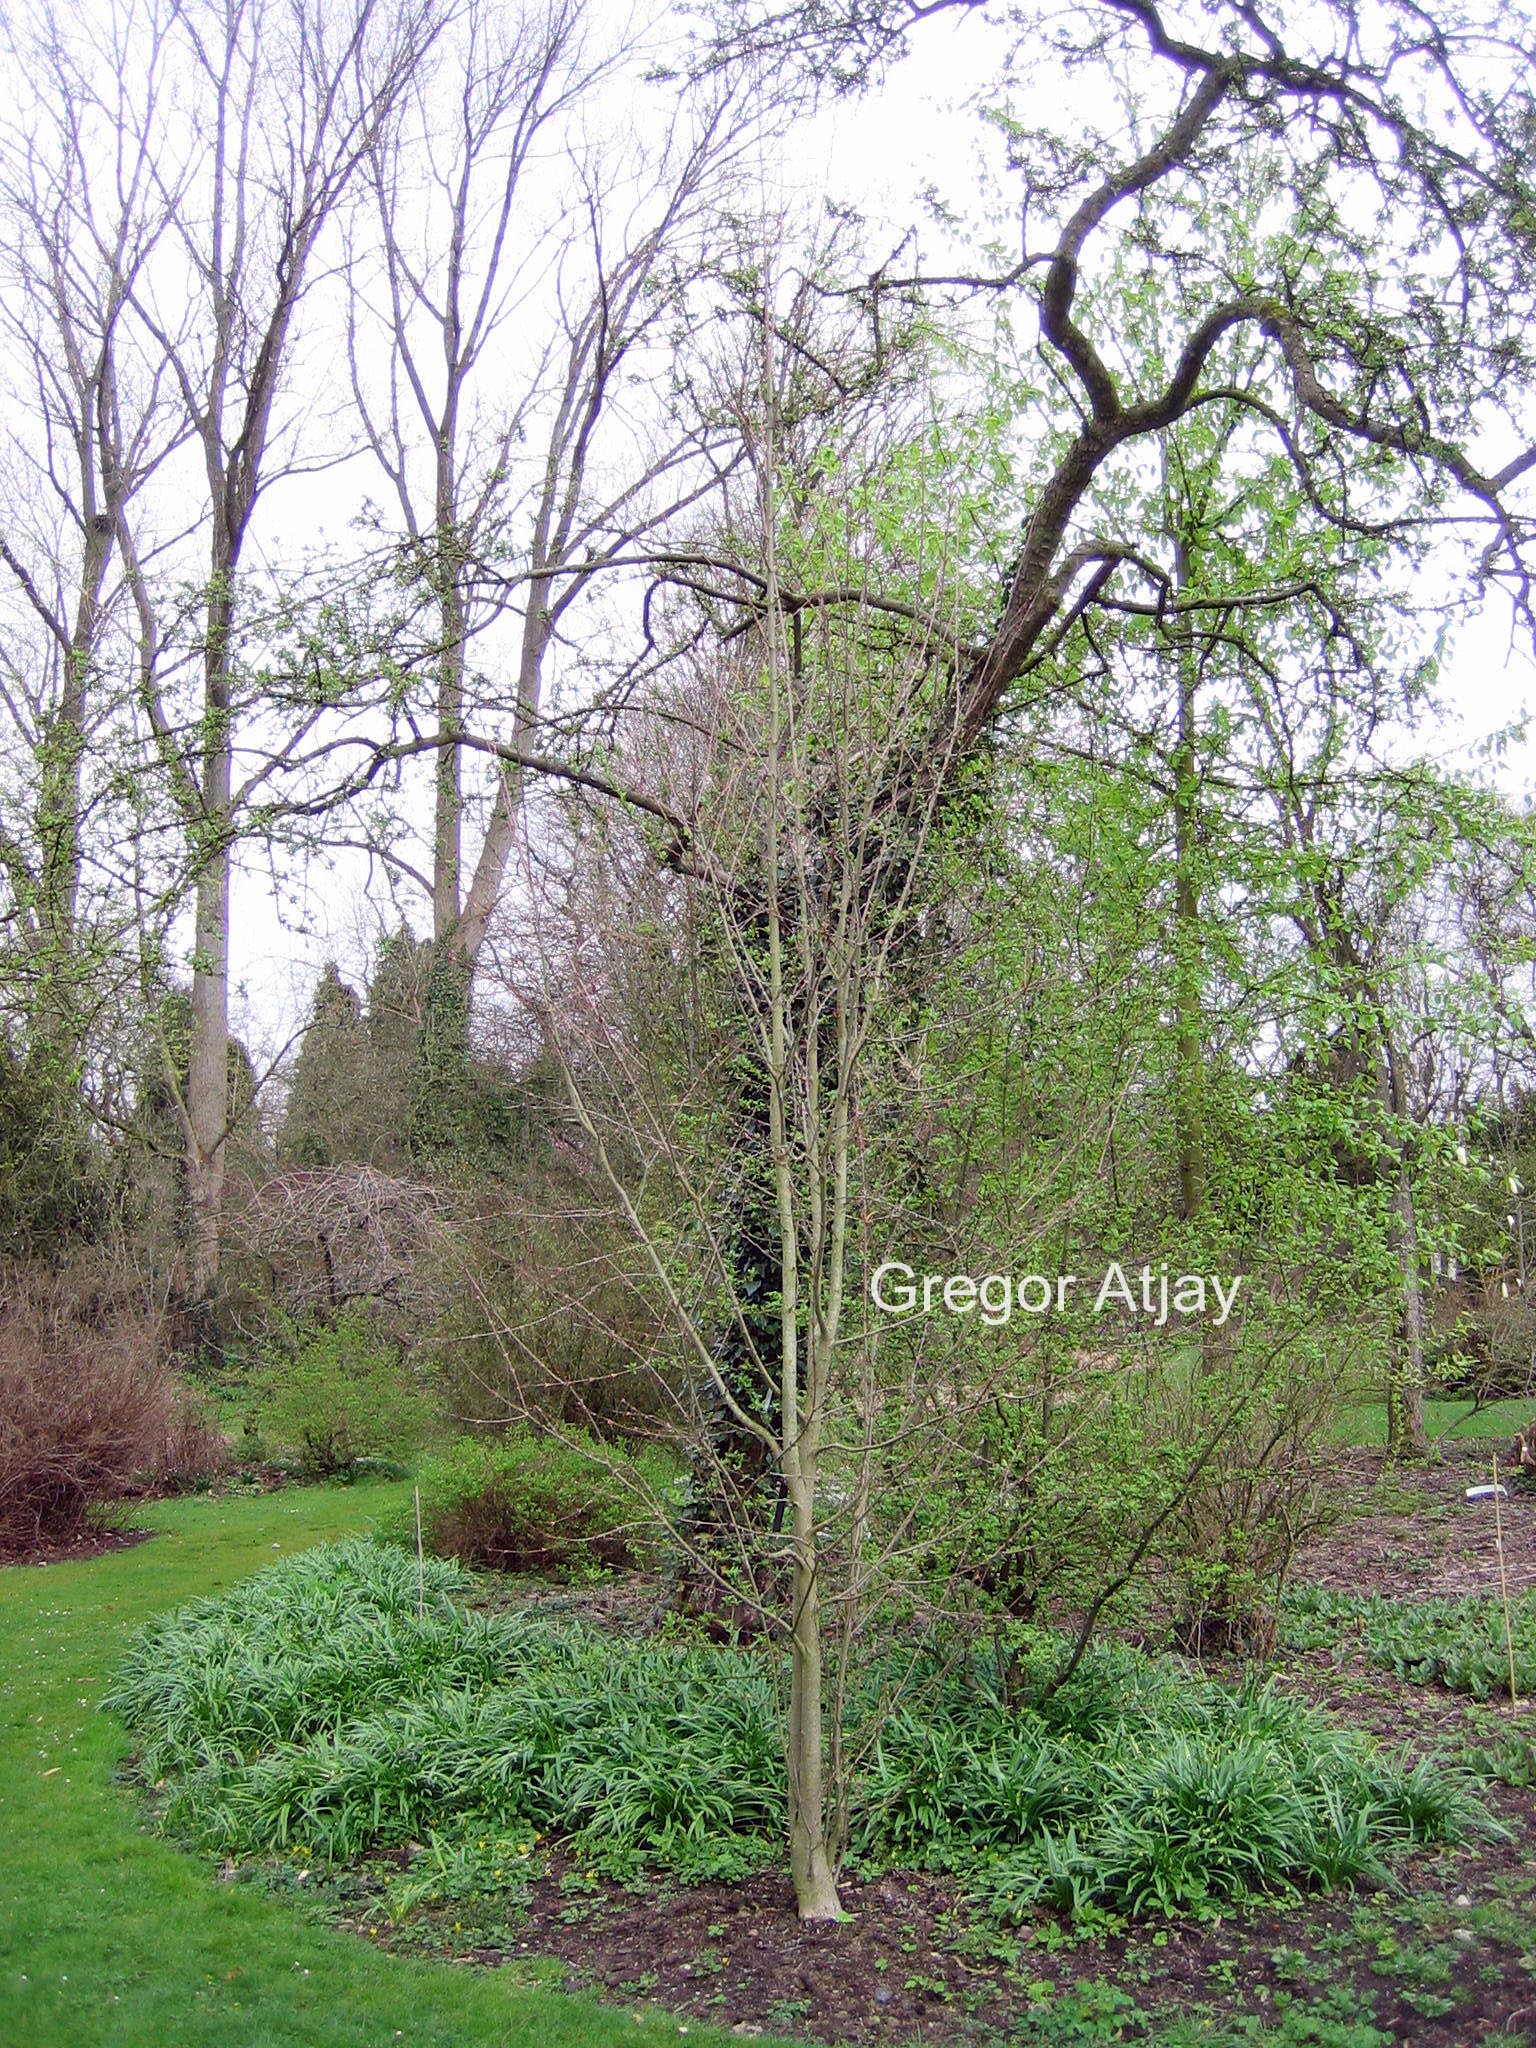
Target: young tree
x=802, y=899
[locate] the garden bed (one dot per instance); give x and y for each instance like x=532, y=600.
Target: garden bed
x=1445, y=1960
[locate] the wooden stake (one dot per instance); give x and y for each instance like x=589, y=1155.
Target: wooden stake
x=1498, y=1537
x=421, y=1597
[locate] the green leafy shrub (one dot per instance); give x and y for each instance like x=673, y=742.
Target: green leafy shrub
x=1455, y=1643
x=339, y=1395
x=1055, y=1485
x=524, y=1503
x=327, y=1705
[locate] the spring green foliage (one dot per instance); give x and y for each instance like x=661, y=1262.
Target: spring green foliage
x=110, y=1937
x=1134, y=1791
x=633, y=1749
x=1511, y=1760
x=1099, y=2015
x=338, y=1396
x=317, y=1708
x=521, y=1502
x=1455, y=1643
x=299, y=1651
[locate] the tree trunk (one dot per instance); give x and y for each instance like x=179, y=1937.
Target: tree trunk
x=448, y=819
x=1406, y=1434
x=484, y=891
x=447, y=829
x=440, y=1108
x=1189, y=1087
x=56, y=1028
x=1407, y=1437
x=208, y=1060
x=810, y=1859
x=208, y=1081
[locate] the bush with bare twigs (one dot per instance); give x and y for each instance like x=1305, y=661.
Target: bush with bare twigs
x=90, y=1408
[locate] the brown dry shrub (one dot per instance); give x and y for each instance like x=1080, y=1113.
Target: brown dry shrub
x=91, y=1408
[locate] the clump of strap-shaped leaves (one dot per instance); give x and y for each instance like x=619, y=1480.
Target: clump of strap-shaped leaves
x=335, y=1706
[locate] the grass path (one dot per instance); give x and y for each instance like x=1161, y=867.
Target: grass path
x=1456, y=1421
x=110, y=1938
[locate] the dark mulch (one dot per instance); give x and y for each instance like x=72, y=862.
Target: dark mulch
x=910, y=1964
x=86, y=1542
x=1409, y=1531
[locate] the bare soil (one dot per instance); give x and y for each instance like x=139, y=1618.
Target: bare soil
x=86, y=1542
x=1411, y=1534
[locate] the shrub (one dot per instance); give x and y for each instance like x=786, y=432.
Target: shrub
x=339, y=1396
x=326, y=1706
x=524, y=1503
x=90, y=1407
x=1057, y=1484
x=1270, y=1391
x=520, y=1340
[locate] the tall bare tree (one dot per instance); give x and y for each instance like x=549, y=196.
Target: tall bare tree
x=81, y=213
x=537, y=249
x=286, y=98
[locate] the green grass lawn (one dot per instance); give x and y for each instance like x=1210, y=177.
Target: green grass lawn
x=110, y=1936
x=1454, y=1420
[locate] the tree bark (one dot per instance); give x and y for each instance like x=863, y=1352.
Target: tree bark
x=208, y=1064
x=1407, y=1437
x=1189, y=1055
x=269, y=203
x=208, y=1081
x=448, y=816
x=810, y=1860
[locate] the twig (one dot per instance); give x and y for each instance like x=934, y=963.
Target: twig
x=421, y=1597
x=1498, y=1537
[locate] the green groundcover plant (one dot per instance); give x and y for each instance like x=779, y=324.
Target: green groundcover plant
x=1459, y=1644
x=339, y=1704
